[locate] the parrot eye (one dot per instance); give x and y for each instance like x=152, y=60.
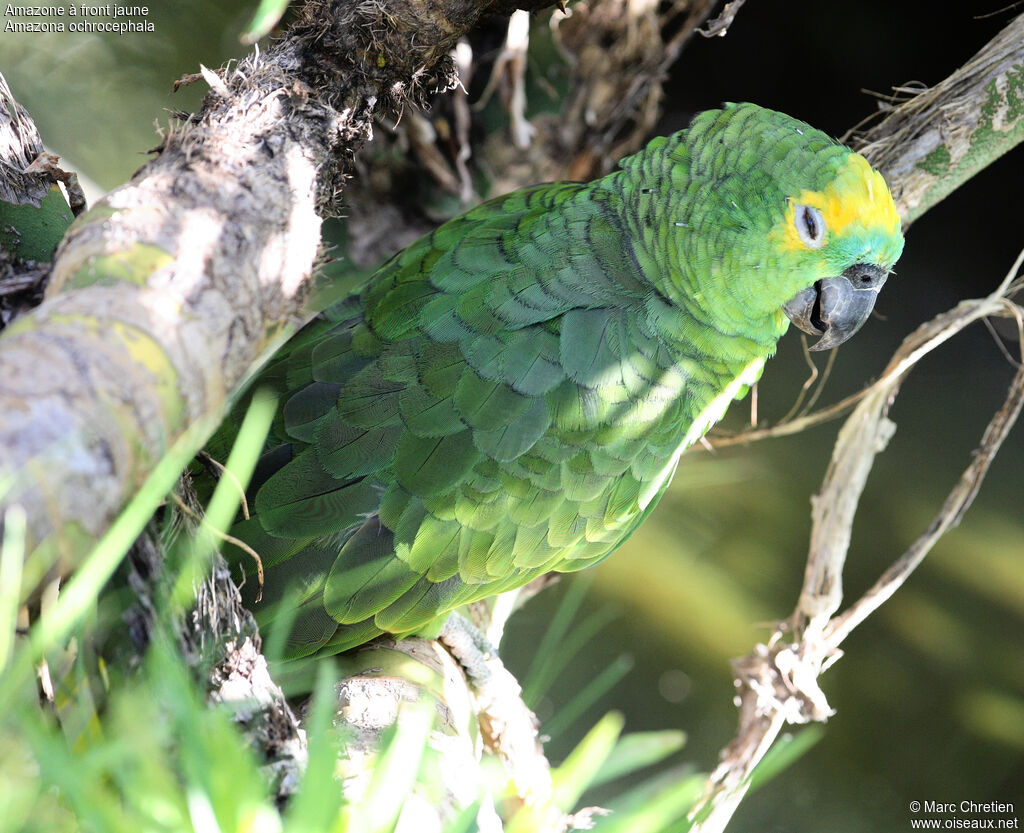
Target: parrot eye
x=810, y=225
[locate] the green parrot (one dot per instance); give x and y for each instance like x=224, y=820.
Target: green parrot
x=510, y=395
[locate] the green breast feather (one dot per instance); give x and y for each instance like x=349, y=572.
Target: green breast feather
x=510, y=394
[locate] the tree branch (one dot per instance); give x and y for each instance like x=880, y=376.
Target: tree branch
x=928, y=146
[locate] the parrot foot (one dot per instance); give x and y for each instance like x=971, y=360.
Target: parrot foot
x=473, y=650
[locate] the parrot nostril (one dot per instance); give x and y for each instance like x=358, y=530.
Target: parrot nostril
x=865, y=276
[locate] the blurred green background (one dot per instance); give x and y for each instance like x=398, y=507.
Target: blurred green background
x=930, y=693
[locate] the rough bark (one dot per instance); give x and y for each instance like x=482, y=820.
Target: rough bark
x=219, y=641
x=927, y=146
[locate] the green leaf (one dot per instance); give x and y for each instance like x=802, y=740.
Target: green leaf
x=785, y=751
x=550, y=659
x=318, y=801
x=593, y=691
x=12, y=553
x=33, y=232
x=580, y=768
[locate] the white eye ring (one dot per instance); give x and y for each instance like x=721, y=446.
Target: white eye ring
x=810, y=225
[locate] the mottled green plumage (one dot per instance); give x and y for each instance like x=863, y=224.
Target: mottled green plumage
x=510, y=394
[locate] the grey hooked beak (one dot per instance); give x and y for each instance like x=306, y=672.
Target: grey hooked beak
x=835, y=308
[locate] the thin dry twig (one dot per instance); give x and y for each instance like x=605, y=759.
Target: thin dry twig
x=949, y=516
x=817, y=391
x=798, y=405
x=509, y=75
x=222, y=471
x=789, y=425
x=46, y=163
x=226, y=537
x=718, y=27
x=778, y=681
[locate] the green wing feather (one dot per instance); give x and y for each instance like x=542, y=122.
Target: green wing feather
x=432, y=461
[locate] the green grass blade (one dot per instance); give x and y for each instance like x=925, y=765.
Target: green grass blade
x=561, y=642
x=318, y=802
x=637, y=750
x=581, y=767
x=587, y=696
x=574, y=776
x=84, y=586
x=659, y=804
x=534, y=680
x=95, y=807
x=266, y=16
x=12, y=556
x=784, y=752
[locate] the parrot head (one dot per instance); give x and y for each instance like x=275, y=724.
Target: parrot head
x=781, y=222
x=851, y=224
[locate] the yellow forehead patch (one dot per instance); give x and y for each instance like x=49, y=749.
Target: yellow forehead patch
x=858, y=194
